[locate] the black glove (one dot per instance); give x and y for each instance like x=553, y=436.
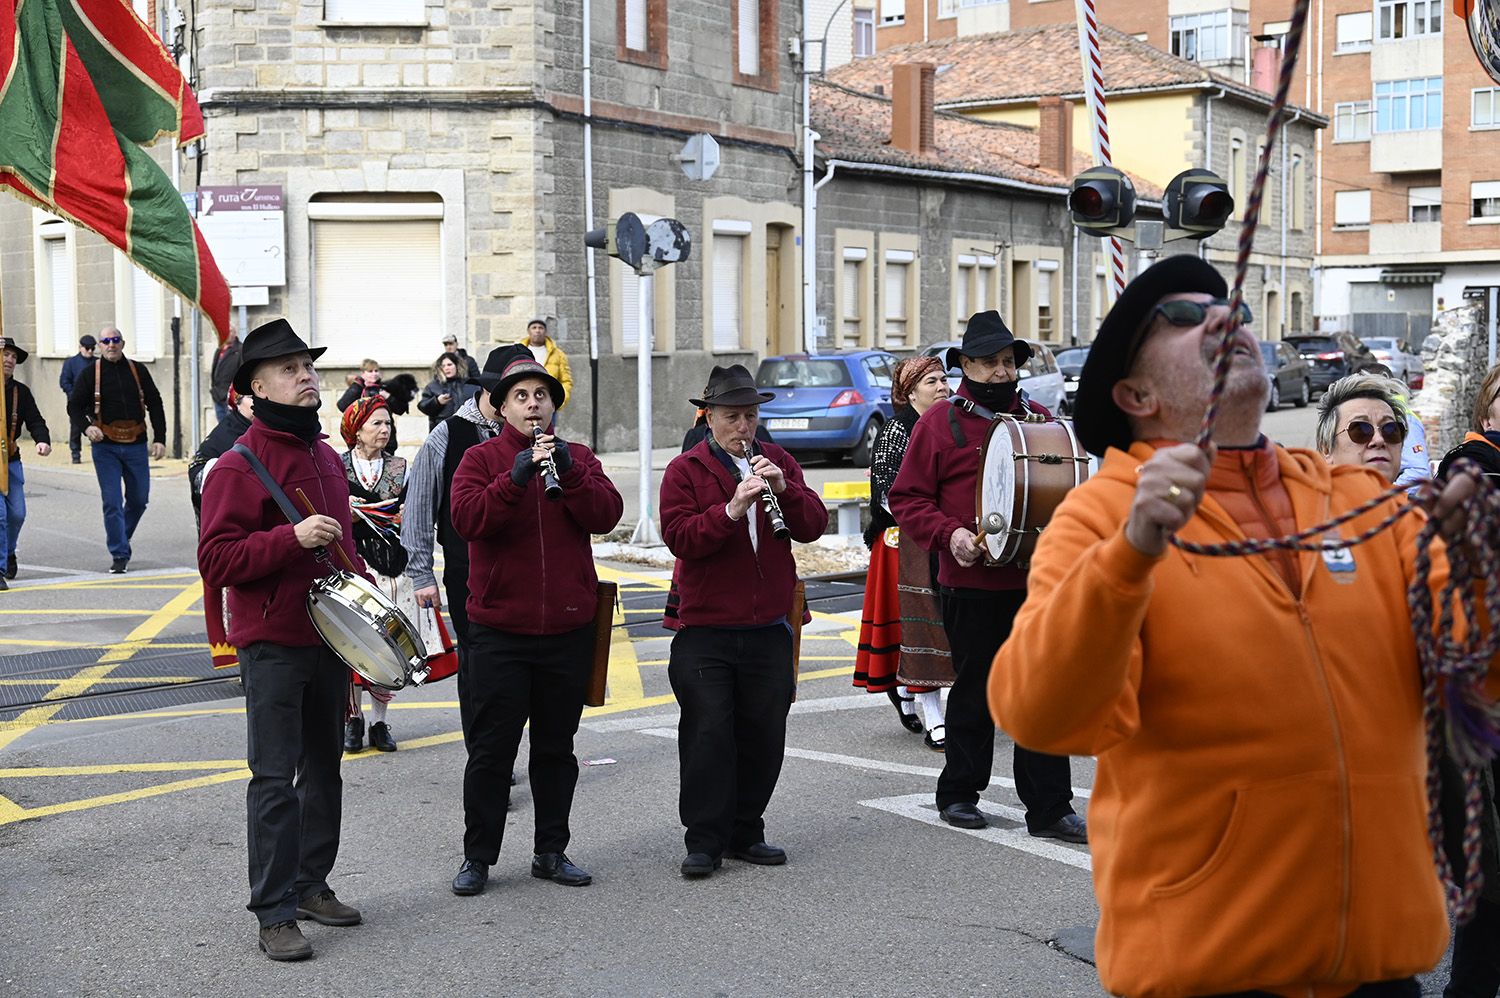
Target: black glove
x=524, y=469
x=562, y=458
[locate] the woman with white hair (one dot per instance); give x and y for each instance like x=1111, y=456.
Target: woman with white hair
x=1362, y=421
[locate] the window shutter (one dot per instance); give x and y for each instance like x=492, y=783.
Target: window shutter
x=1351, y=208
x=729, y=268
x=374, y=11
x=60, y=277
x=377, y=289
x=962, y=275
x=145, y=313
x=851, y=289
x=749, y=21
x=892, y=10
x=635, y=25
x=895, y=303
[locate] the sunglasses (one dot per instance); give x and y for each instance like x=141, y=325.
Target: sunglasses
x=112, y=340
x=1186, y=312
x=1362, y=431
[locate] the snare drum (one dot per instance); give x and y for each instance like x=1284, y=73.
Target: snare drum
x=1026, y=469
x=365, y=628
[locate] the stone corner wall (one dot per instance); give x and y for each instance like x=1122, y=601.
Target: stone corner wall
x=1455, y=358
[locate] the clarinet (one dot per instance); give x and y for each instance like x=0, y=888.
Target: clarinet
x=551, y=487
x=779, y=528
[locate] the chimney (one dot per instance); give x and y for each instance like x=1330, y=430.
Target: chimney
x=911, y=108
x=1054, y=136
x=1265, y=64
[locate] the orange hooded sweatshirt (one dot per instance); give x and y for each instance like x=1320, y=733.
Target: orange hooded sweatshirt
x=1259, y=818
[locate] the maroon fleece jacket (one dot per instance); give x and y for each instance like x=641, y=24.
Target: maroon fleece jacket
x=247, y=546
x=934, y=493
x=531, y=563
x=722, y=580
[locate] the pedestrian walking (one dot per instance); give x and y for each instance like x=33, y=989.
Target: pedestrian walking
x=71, y=368
x=111, y=402
x=296, y=688
x=20, y=410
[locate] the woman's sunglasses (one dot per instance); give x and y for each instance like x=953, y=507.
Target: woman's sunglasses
x=1362, y=431
x=1187, y=312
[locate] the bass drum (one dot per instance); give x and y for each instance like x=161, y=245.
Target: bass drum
x=365, y=628
x=1026, y=469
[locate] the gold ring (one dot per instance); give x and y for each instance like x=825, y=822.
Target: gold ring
x=1174, y=493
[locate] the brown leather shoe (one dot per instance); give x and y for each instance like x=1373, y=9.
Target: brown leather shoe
x=326, y=909
x=284, y=941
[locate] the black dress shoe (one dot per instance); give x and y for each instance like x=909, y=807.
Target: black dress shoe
x=354, y=734
x=1068, y=828
x=964, y=815
x=471, y=878
x=10, y=566
x=380, y=737
x=118, y=566
x=937, y=738
x=556, y=867
x=761, y=854
x=700, y=864
x=911, y=722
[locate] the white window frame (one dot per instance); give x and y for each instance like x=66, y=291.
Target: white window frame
x=947, y=9
x=747, y=59
x=909, y=332
x=375, y=12
x=1226, y=30
x=1045, y=307
x=728, y=326
x=1490, y=97
x=372, y=209
x=1398, y=20
x=864, y=32
x=53, y=339
x=1359, y=115
x=1401, y=97
x=1237, y=187
x=852, y=320
x=1351, y=210
x=892, y=12
x=1424, y=204
x=1354, y=32
x=1484, y=202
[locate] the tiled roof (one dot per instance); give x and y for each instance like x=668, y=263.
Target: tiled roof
x=857, y=127
x=1030, y=63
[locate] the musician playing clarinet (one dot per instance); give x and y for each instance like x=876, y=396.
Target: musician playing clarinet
x=933, y=501
x=730, y=508
x=527, y=501
x=295, y=687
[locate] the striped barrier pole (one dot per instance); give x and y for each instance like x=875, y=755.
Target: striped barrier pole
x=1093, y=95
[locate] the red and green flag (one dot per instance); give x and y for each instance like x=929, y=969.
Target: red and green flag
x=85, y=87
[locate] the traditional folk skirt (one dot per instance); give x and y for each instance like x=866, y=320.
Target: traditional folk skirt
x=880, y=621
x=925, y=657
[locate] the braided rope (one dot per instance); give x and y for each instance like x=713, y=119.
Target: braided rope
x=1456, y=715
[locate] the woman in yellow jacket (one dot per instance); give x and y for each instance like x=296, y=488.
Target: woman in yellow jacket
x=1258, y=821
x=548, y=354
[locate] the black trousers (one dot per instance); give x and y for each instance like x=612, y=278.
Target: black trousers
x=294, y=720
x=735, y=688
x=506, y=679
x=1475, y=972
x=456, y=595
x=977, y=623
x=1406, y=987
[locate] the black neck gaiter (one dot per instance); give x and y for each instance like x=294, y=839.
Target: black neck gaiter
x=996, y=396
x=301, y=421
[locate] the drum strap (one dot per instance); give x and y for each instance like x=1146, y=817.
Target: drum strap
x=974, y=409
x=277, y=493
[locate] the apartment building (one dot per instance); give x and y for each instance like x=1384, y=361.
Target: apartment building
x=1407, y=186
x=431, y=158
x=1167, y=115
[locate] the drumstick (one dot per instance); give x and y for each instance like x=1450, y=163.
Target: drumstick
x=337, y=547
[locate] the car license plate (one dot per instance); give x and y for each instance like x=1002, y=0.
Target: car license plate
x=786, y=424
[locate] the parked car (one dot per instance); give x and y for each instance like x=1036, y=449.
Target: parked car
x=1040, y=378
x=1332, y=356
x=1070, y=363
x=1289, y=373
x=1391, y=352
x=835, y=401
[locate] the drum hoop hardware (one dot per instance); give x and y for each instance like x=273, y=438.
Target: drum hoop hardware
x=1050, y=458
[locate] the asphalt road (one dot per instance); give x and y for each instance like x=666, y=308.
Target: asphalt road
x=123, y=840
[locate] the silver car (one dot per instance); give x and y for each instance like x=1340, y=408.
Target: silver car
x=1041, y=378
x=1391, y=352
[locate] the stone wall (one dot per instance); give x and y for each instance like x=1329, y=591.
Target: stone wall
x=1456, y=357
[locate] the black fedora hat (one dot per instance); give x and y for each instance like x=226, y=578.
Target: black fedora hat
x=494, y=365
x=9, y=343
x=1100, y=423
x=267, y=342
x=517, y=363
x=985, y=334
x=731, y=385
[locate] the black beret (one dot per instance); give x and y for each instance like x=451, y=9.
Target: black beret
x=1098, y=421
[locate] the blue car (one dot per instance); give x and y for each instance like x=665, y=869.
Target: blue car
x=828, y=402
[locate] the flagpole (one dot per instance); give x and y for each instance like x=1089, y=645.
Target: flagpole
x=4, y=423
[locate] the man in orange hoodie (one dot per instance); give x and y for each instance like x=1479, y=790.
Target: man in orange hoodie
x=1258, y=823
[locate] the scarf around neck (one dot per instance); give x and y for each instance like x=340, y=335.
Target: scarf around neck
x=301, y=421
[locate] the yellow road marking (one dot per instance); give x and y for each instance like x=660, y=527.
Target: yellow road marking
x=141, y=680
x=111, y=768
x=624, y=675
x=80, y=611
x=37, y=643
x=100, y=583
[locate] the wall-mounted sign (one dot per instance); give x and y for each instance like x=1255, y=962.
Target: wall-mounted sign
x=246, y=229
